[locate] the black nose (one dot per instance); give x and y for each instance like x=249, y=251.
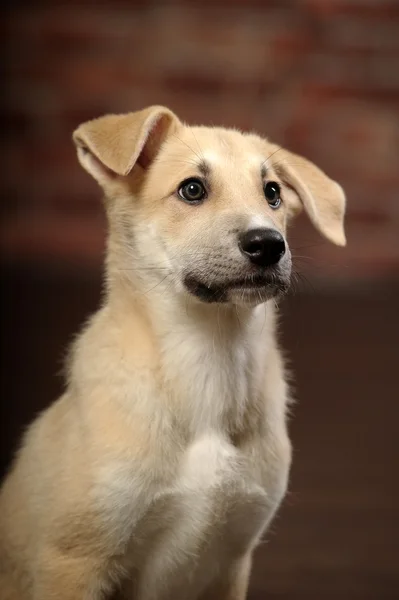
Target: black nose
x=264, y=247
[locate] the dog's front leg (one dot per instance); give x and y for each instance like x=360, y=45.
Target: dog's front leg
x=233, y=584
x=59, y=576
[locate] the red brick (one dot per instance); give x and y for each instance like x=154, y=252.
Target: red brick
x=346, y=34
x=52, y=237
x=373, y=9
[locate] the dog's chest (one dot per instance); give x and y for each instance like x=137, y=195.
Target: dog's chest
x=214, y=381
x=213, y=512
x=211, y=499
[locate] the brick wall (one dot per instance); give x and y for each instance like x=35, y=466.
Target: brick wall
x=319, y=76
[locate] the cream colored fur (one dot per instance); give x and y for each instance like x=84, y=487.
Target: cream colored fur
x=156, y=473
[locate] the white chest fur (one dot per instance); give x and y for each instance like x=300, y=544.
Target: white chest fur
x=221, y=496
x=198, y=498
x=212, y=514
x=214, y=368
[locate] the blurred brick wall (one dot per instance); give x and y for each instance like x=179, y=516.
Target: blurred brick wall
x=319, y=76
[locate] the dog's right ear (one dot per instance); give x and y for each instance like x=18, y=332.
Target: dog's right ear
x=110, y=146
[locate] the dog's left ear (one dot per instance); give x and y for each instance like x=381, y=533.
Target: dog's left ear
x=322, y=198
x=112, y=145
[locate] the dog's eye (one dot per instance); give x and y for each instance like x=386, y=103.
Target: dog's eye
x=192, y=190
x=272, y=194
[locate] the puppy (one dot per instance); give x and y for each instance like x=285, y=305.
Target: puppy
x=156, y=473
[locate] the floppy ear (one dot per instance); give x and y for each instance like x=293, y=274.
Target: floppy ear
x=110, y=146
x=322, y=198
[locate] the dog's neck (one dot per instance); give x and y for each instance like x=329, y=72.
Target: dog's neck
x=164, y=310
x=211, y=356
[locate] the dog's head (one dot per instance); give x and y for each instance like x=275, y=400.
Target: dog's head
x=203, y=211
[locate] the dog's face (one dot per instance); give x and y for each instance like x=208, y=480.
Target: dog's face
x=204, y=210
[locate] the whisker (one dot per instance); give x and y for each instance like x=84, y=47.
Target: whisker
x=301, y=257
x=199, y=147
x=315, y=245
x=177, y=161
x=187, y=146
x=270, y=155
x=156, y=285
x=238, y=318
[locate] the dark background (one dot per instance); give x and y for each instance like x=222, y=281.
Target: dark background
x=318, y=76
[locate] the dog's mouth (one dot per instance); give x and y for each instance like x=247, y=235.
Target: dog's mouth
x=262, y=286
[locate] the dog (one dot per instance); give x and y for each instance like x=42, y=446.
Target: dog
x=156, y=473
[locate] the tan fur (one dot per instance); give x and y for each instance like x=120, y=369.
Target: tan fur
x=156, y=473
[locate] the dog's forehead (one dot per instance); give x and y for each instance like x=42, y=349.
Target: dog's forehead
x=219, y=147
